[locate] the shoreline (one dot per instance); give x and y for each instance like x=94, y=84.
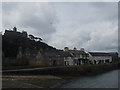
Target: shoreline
x=54, y=77
x=38, y=81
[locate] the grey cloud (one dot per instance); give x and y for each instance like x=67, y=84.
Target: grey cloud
x=90, y=25
x=0, y=17
x=87, y=25
x=104, y=38
x=37, y=18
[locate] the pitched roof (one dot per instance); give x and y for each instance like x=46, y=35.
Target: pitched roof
x=100, y=54
x=77, y=52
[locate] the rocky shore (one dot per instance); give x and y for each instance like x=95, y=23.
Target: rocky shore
x=41, y=81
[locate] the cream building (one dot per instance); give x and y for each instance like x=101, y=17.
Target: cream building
x=68, y=61
x=99, y=57
x=76, y=57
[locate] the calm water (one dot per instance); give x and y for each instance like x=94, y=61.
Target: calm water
x=105, y=80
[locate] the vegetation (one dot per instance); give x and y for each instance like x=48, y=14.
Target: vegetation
x=34, y=38
x=10, y=44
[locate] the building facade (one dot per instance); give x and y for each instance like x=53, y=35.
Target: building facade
x=100, y=57
x=77, y=57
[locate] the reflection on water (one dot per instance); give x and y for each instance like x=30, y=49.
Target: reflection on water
x=106, y=80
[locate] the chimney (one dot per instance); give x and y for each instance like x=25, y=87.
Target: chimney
x=82, y=49
x=66, y=49
x=74, y=48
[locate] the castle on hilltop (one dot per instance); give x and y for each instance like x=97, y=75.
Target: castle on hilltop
x=14, y=33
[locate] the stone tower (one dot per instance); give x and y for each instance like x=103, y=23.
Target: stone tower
x=15, y=29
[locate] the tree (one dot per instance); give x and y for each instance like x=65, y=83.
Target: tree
x=34, y=38
x=31, y=37
x=38, y=39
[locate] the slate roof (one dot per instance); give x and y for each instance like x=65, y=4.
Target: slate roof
x=77, y=52
x=100, y=54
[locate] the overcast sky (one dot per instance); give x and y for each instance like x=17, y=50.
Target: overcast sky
x=89, y=25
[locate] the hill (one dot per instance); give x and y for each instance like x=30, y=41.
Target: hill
x=12, y=40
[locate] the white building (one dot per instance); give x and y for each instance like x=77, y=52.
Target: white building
x=68, y=61
x=100, y=57
x=75, y=57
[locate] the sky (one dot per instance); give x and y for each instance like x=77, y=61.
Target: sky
x=89, y=25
